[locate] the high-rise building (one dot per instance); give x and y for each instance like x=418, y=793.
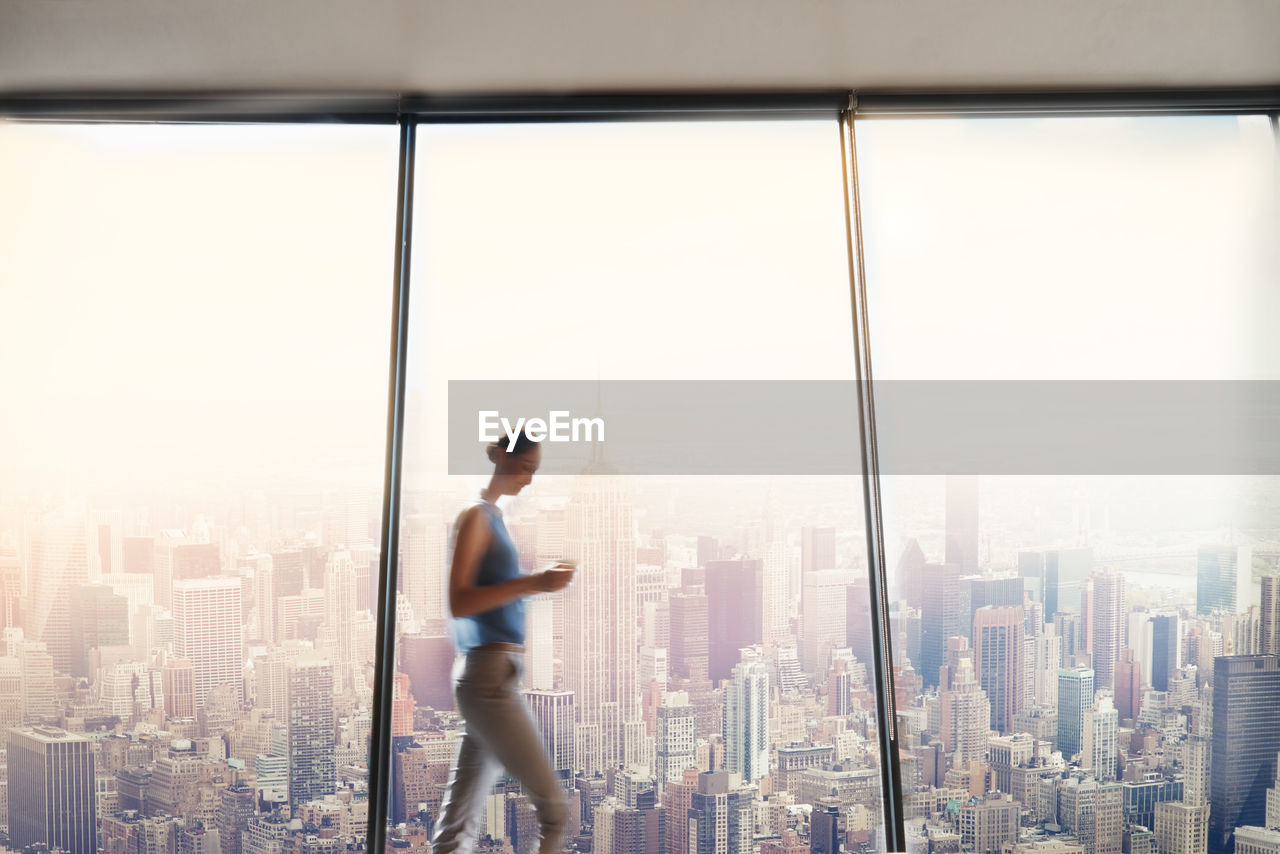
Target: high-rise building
x=1057, y=577
x=340, y=613
x=981, y=591
x=1164, y=650
x=208, y=628
x=1110, y=625
x=311, y=735
x=1181, y=828
x=1128, y=686
x=1270, y=614
x=1093, y=812
x=826, y=829
x=746, y=718
x=720, y=816
x=1075, y=698
x=554, y=714
x=735, y=606
x=1100, y=739
x=822, y=617
x=962, y=522
x=1224, y=579
x=428, y=659
x=1257, y=840
x=101, y=620
x=998, y=651
x=964, y=713
x=601, y=642
x=423, y=553
x=775, y=622
x=1141, y=797
x=688, y=634
x=677, y=738
x=51, y=790
x=990, y=823
x=178, y=685
x=1246, y=738
x=940, y=617
x=57, y=560
x=817, y=549
x=677, y=798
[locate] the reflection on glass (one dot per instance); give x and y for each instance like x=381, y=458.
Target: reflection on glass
x=702, y=685
x=1082, y=662
x=194, y=340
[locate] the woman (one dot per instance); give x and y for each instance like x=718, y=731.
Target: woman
x=486, y=590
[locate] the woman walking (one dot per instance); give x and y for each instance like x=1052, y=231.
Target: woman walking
x=486, y=593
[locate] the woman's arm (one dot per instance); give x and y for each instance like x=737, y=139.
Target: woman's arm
x=465, y=597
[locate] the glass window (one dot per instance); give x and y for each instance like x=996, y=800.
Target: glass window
x=1075, y=645
x=716, y=622
x=194, y=339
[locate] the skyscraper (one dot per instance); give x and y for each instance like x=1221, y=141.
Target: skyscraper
x=1100, y=739
x=1164, y=650
x=312, y=766
x=101, y=619
x=339, y=618
x=1110, y=624
x=1246, y=737
x=1075, y=697
x=677, y=736
x=1224, y=578
x=735, y=607
x=822, y=617
x=688, y=633
x=998, y=653
x=939, y=617
x=51, y=790
x=964, y=713
x=1270, y=616
x=1128, y=686
x=746, y=718
x=962, y=522
x=601, y=643
x=817, y=549
x=720, y=817
x=178, y=684
x=57, y=561
x=554, y=715
x=423, y=555
x=208, y=630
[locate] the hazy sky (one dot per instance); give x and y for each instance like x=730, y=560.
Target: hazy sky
x=184, y=299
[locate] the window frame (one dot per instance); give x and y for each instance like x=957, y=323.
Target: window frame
x=846, y=107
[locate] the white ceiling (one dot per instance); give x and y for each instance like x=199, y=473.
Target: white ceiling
x=457, y=46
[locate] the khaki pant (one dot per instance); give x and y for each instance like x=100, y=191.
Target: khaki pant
x=499, y=731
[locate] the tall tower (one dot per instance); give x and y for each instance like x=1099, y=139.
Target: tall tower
x=720, y=820
x=57, y=560
x=1100, y=739
x=340, y=612
x=998, y=651
x=1164, y=650
x=822, y=617
x=312, y=742
x=1128, y=686
x=964, y=713
x=423, y=554
x=676, y=739
x=1246, y=737
x=601, y=646
x=51, y=790
x=746, y=718
x=817, y=549
x=962, y=522
x=208, y=630
x=1270, y=614
x=734, y=610
x=1075, y=697
x=1224, y=578
x=554, y=714
x=1110, y=625
x=939, y=617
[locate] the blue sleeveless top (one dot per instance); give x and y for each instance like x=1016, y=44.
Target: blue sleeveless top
x=499, y=563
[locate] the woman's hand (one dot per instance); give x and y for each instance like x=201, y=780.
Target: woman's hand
x=551, y=580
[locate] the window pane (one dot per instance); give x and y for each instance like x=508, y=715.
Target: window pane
x=1073, y=651
x=195, y=342
x=664, y=252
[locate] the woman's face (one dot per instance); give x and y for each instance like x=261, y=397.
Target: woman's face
x=516, y=470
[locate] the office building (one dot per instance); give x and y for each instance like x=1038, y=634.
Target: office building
x=311, y=735
x=735, y=607
x=746, y=718
x=1246, y=738
x=999, y=657
x=1075, y=698
x=1224, y=579
x=51, y=790
x=208, y=626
